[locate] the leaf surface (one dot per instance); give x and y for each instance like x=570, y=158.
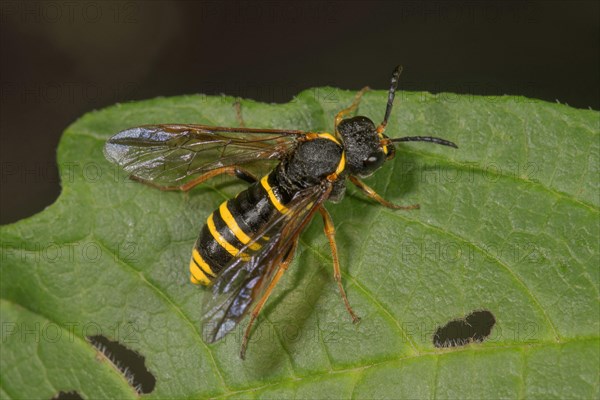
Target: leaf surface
x=508, y=223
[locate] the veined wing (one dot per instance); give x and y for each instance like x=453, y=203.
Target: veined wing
x=168, y=154
x=244, y=280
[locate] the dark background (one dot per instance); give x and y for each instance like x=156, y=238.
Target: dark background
x=61, y=59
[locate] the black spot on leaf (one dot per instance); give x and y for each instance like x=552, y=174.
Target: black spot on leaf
x=73, y=395
x=130, y=363
x=474, y=328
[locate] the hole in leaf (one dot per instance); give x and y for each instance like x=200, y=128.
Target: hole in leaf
x=67, y=396
x=131, y=364
x=474, y=328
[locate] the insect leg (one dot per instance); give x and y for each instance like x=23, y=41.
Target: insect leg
x=330, y=232
x=373, y=194
x=342, y=114
x=230, y=170
x=280, y=270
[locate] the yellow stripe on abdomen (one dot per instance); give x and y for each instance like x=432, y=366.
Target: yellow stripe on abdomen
x=274, y=200
x=200, y=271
x=235, y=228
x=231, y=249
x=203, y=264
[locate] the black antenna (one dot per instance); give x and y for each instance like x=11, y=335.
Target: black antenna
x=391, y=95
x=429, y=139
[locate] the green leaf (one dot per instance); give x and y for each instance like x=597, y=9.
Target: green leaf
x=508, y=223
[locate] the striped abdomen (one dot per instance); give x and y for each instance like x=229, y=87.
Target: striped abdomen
x=233, y=225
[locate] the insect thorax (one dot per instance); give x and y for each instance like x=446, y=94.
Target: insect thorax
x=310, y=163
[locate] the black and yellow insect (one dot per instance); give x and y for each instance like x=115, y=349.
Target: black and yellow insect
x=249, y=241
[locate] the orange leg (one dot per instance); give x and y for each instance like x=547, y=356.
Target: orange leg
x=342, y=114
x=330, y=232
x=280, y=270
x=230, y=170
x=373, y=194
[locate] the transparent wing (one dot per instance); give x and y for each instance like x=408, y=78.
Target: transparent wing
x=245, y=280
x=168, y=154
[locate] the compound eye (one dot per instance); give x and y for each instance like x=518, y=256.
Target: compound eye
x=373, y=160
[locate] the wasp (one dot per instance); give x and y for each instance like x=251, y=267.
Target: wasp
x=248, y=243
